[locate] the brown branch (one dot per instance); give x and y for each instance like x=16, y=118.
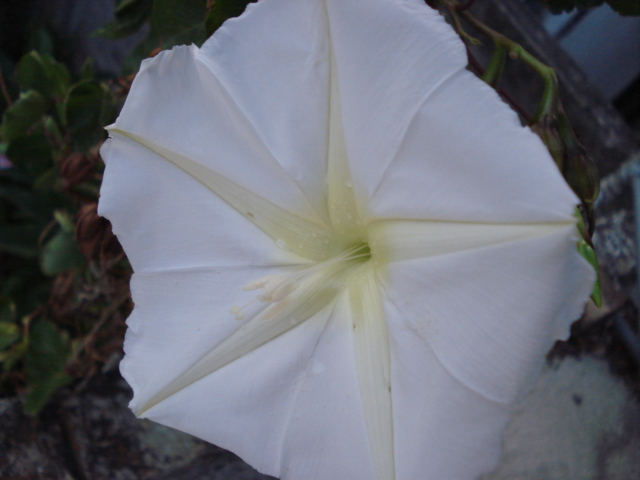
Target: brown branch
x=5, y=92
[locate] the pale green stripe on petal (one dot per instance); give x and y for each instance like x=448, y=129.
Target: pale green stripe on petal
x=371, y=344
x=289, y=231
x=343, y=210
x=316, y=292
x=397, y=240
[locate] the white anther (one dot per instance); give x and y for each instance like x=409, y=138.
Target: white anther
x=237, y=311
x=259, y=283
x=277, y=289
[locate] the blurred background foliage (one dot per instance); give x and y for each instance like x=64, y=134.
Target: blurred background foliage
x=64, y=292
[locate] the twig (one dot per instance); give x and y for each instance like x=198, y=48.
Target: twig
x=462, y=8
x=5, y=92
x=106, y=314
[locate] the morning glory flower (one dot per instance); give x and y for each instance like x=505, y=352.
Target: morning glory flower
x=349, y=255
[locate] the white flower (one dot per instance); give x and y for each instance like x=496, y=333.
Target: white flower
x=349, y=256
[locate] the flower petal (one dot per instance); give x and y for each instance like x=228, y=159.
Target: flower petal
x=395, y=240
x=179, y=317
x=443, y=429
x=467, y=158
x=313, y=295
x=343, y=209
x=273, y=61
x=289, y=231
x=287, y=406
x=371, y=345
x=206, y=126
x=489, y=315
x=165, y=219
x=245, y=407
x=390, y=56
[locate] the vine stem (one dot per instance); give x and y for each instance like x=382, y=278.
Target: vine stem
x=475, y=64
x=550, y=101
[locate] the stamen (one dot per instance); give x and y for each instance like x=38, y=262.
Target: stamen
x=259, y=283
x=277, y=288
x=237, y=311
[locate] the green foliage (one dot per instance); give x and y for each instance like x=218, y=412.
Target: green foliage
x=623, y=7
x=87, y=109
x=9, y=331
x=44, y=75
x=172, y=17
x=130, y=16
x=61, y=252
x=47, y=356
x=50, y=135
x=22, y=115
x=222, y=10
x=31, y=153
x=61, y=266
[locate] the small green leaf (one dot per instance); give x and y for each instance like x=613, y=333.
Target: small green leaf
x=9, y=333
x=130, y=16
x=21, y=116
x=10, y=356
x=60, y=254
x=7, y=310
x=83, y=107
x=87, y=108
x=46, y=359
x=65, y=221
x=87, y=71
x=171, y=17
x=43, y=74
x=223, y=10
x=32, y=153
x=590, y=255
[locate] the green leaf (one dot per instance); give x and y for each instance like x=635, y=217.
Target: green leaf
x=590, y=255
x=130, y=16
x=46, y=360
x=83, y=107
x=87, y=109
x=65, y=221
x=87, y=71
x=222, y=10
x=171, y=17
x=10, y=356
x=7, y=310
x=9, y=333
x=50, y=180
x=32, y=153
x=60, y=254
x=21, y=116
x=43, y=74
x=29, y=205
